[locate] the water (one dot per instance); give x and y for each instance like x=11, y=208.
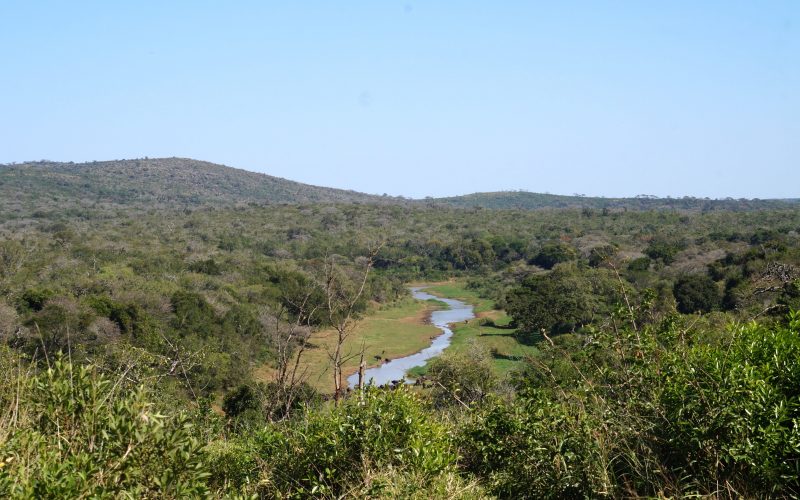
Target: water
x=397, y=368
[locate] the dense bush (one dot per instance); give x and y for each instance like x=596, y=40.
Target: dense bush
x=35, y=298
x=326, y=453
x=462, y=379
x=536, y=447
x=78, y=434
x=560, y=301
x=664, y=250
x=639, y=265
x=731, y=411
x=622, y=403
x=696, y=293
x=554, y=253
x=650, y=413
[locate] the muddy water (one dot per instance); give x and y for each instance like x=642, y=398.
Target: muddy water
x=397, y=368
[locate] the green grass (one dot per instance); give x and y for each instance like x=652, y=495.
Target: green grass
x=507, y=353
x=391, y=332
x=401, y=330
x=458, y=290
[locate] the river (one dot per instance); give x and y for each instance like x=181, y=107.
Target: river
x=396, y=369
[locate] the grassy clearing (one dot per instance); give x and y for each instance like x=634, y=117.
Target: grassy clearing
x=391, y=332
x=458, y=290
x=496, y=336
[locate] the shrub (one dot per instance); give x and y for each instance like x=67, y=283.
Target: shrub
x=535, y=448
x=238, y=401
x=78, y=436
x=35, y=298
x=731, y=411
x=193, y=314
x=327, y=453
x=664, y=250
x=554, y=253
x=208, y=266
x=639, y=265
x=696, y=293
x=233, y=465
x=599, y=255
x=462, y=379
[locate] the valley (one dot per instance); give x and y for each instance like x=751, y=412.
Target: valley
x=235, y=317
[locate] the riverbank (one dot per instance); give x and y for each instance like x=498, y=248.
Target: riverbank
x=391, y=332
x=397, y=369
x=489, y=331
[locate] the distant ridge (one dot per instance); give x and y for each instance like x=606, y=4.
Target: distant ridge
x=183, y=183
x=533, y=201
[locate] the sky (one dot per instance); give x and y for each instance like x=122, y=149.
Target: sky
x=418, y=98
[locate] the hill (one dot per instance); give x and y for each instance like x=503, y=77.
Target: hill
x=531, y=201
x=151, y=183
x=180, y=183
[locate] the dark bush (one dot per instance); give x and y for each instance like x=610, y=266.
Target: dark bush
x=696, y=293
x=35, y=298
x=239, y=401
x=639, y=265
x=554, y=253
x=208, y=266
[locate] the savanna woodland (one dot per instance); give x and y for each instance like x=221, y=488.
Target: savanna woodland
x=178, y=329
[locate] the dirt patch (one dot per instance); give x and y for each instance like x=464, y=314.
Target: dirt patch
x=423, y=318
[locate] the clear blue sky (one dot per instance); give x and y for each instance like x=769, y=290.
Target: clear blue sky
x=418, y=98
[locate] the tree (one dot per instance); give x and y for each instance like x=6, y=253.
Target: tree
x=554, y=253
x=664, y=250
x=239, y=401
x=696, y=293
x=600, y=255
x=462, y=378
x=343, y=304
x=549, y=302
x=290, y=339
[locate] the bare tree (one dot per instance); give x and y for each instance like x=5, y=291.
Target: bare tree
x=342, y=296
x=290, y=337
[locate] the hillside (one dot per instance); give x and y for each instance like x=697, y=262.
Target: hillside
x=151, y=183
x=179, y=183
x=524, y=200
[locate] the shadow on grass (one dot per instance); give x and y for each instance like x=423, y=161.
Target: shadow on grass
x=508, y=357
x=507, y=326
x=492, y=324
x=529, y=339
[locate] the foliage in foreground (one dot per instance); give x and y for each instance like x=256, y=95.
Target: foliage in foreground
x=70, y=433
x=332, y=453
x=649, y=413
x=658, y=411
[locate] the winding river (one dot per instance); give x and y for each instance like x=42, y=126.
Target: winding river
x=396, y=369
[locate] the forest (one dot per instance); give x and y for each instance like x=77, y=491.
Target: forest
x=198, y=349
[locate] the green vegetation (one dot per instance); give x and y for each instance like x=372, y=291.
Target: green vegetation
x=165, y=341
x=38, y=188
x=387, y=333
x=459, y=290
x=73, y=433
x=523, y=200
x=696, y=293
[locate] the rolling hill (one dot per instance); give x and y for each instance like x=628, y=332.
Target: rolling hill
x=159, y=183
x=180, y=183
x=533, y=201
